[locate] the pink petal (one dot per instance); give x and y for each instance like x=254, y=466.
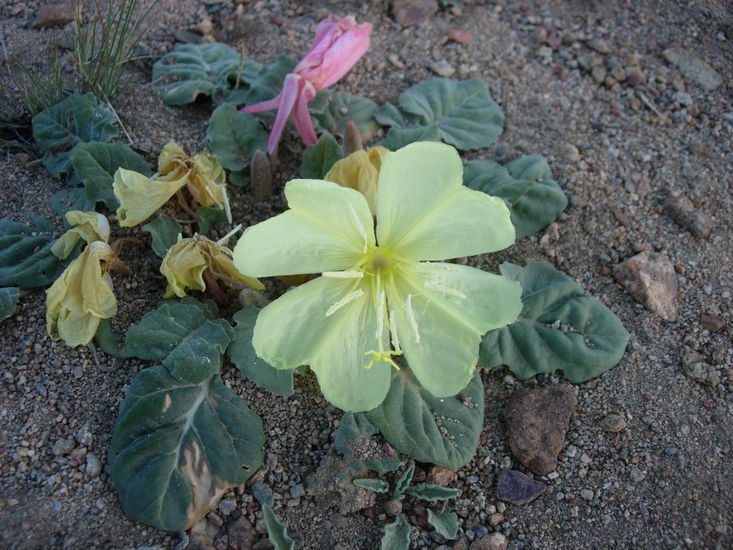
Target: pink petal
x=301, y=116
x=288, y=96
x=341, y=56
x=318, y=49
x=268, y=105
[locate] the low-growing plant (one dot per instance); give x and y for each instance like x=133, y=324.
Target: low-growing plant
x=392, y=327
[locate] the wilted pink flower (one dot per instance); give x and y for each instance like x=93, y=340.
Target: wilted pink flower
x=338, y=45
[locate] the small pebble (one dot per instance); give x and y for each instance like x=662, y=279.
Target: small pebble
x=63, y=447
x=393, y=507
x=94, y=467
x=443, y=68
x=613, y=423
x=227, y=506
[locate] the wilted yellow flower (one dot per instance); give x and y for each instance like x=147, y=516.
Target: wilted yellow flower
x=360, y=171
x=192, y=263
x=82, y=296
x=140, y=196
x=206, y=178
x=90, y=226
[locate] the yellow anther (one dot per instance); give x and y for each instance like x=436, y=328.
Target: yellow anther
x=384, y=356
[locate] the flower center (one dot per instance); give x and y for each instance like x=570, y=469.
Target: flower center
x=378, y=261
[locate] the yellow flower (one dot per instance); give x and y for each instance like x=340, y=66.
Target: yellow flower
x=140, y=196
x=82, y=296
x=90, y=226
x=192, y=263
x=383, y=291
x=360, y=171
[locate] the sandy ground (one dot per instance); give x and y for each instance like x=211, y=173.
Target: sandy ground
x=618, y=151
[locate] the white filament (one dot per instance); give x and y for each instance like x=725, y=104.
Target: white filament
x=412, y=319
x=343, y=301
x=444, y=289
x=343, y=274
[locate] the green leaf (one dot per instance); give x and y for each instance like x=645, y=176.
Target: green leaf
x=239, y=178
x=267, y=82
x=8, y=301
x=446, y=524
x=396, y=535
x=447, y=4
x=525, y=184
x=72, y=198
x=331, y=112
x=442, y=431
x=397, y=138
x=560, y=327
x=210, y=216
x=376, y=485
x=184, y=336
x=191, y=70
x=26, y=260
x=177, y=446
x=108, y=340
x=428, y=491
x=317, y=160
x=354, y=441
x=234, y=137
x=164, y=232
x=59, y=128
x=404, y=481
x=242, y=354
x=276, y=531
x=461, y=113
x=95, y=164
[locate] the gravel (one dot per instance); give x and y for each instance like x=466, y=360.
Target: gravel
x=619, y=148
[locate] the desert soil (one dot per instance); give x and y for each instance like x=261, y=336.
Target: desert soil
x=618, y=150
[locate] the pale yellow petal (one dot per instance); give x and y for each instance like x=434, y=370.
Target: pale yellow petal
x=183, y=267
x=173, y=163
x=140, y=196
x=90, y=226
x=186, y=261
x=440, y=312
x=359, y=171
x=331, y=326
x=328, y=228
x=81, y=297
x=425, y=213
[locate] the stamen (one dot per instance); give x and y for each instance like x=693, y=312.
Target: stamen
x=226, y=237
x=384, y=356
x=343, y=301
x=359, y=227
x=445, y=289
x=411, y=317
x=393, y=331
x=380, y=316
x=343, y=274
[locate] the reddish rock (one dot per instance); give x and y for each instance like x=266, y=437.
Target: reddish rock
x=410, y=12
x=53, y=15
x=441, y=476
x=537, y=420
x=712, y=322
x=685, y=214
x=650, y=278
x=460, y=36
x=494, y=541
